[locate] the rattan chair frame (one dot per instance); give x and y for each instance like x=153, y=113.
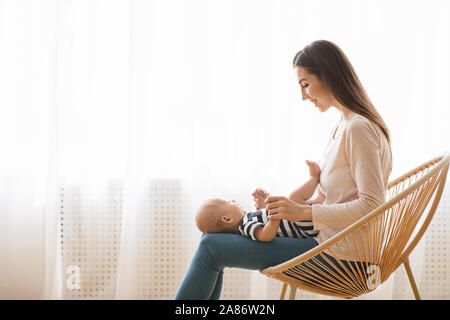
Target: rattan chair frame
x=388, y=240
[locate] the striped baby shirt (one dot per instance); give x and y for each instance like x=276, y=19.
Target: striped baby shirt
x=292, y=229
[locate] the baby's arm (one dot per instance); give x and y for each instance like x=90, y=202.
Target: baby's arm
x=268, y=232
x=319, y=199
x=306, y=191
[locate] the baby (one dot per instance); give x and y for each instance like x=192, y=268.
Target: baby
x=221, y=216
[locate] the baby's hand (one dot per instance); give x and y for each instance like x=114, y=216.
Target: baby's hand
x=259, y=197
x=314, y=168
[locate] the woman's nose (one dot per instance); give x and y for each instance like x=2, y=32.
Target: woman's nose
x=307, y=97
x=304, y=95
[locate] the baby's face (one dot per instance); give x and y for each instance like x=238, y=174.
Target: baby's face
x=229, y=208
x=233, y=209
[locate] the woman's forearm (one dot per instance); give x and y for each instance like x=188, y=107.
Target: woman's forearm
x=307, y=213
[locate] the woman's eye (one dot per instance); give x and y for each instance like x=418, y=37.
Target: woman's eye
x=306, y=85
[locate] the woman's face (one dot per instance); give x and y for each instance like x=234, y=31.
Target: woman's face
x=314, y=90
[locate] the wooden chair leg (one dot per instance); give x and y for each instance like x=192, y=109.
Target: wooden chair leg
x=283, y=291
x=411, y=280
x=292, y=293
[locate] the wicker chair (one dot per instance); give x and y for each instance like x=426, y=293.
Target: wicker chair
x=377, y=244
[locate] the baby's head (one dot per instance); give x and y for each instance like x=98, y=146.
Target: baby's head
x=219, y=216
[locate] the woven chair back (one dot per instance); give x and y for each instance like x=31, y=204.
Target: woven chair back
x=364, y=255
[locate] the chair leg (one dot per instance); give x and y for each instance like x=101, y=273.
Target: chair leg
x=292, y=293
x=283, y=291
x=411, y=280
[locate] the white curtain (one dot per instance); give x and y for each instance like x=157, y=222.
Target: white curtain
x=118, y=118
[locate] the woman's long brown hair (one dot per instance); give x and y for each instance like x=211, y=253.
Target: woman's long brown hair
x=330, y=65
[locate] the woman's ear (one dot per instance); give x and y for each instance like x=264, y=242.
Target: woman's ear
x=226, y=219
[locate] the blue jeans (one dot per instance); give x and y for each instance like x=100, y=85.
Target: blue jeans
x=203, y=280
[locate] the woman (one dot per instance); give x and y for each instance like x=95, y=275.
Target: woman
x=355, y=170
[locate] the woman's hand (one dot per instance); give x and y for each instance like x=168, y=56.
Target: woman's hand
x=283, y=208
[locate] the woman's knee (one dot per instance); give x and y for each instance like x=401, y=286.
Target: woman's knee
x=219, y=249
x=208, y=249
x=207, y=241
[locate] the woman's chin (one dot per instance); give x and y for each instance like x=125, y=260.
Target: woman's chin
x=322, y=108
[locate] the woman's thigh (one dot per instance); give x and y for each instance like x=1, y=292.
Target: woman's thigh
x=236, y=251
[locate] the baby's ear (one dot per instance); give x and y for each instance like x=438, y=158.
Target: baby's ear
x=226, y=219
